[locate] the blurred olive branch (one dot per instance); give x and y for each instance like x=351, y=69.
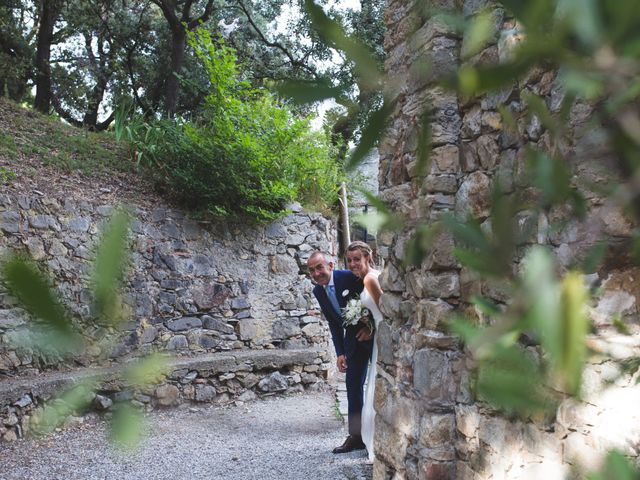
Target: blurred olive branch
x=594, y=47
x=52, y=330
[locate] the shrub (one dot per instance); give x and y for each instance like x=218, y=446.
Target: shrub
x=247, y=154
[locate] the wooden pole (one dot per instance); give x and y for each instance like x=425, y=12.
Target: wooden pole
x=344, y=214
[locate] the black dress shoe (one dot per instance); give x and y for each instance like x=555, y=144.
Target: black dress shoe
x=352, y=443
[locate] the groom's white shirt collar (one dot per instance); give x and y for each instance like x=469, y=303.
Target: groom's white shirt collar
x=330, y=282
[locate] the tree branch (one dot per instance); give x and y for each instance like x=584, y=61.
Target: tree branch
x=102, y=126
x=277, y=45
x=208, y=10
x=57, y=106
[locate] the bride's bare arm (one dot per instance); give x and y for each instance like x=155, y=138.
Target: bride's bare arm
x=372, y=285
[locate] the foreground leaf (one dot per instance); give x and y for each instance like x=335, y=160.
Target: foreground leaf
x=111, y=259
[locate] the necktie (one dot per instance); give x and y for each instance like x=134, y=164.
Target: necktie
x=331, y=293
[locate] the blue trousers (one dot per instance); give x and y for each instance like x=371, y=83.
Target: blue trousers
x=357, y=364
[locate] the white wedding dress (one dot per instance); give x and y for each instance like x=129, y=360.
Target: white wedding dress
x=368, y=412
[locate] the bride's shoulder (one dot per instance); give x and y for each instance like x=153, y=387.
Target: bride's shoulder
x=373, y=273
x=372, y=276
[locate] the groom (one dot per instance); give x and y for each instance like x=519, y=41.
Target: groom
x=353, y=344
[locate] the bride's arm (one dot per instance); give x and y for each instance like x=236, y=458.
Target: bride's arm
x=372, y=285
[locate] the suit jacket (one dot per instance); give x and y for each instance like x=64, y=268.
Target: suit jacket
x=344, y=340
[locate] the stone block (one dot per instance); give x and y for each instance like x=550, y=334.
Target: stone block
x=210, y=295
x=276, y=382
x=434, y=470
x=438, y=285
x=312, y=330
x=40, y=222
x=57, y=248
x=437, y=431
x=79, y=224
x=184, y=323
x=12, y=318
x=177, y=342
x=248, y=329
x=36, y=249
x=440, y=184
x=205, y=393
x=445, y=159
x=467, y=420
x=391, y=279
x=433, y=377
x=387, y=435
x=217, y=324
x=385, y=343
x=488, y=151
x=472, y=122
x=240, y=303
x=286, y=328
x=473, y=197
x=433, y=314
x=469, y=161
x=148, y=334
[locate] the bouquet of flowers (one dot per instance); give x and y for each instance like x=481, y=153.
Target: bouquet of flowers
x=355, y=313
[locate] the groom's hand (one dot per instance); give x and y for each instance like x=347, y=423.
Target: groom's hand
x=342, y=363
x=364, y=334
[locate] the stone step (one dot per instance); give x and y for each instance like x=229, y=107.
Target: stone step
x=219, y=378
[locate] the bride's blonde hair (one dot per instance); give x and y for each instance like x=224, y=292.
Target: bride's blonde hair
x=364, y=249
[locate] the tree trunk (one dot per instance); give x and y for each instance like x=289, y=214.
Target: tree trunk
x=90, y=120
x=50, y=12
x=178, y=45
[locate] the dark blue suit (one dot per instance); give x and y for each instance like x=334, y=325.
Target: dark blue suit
x=347, y=286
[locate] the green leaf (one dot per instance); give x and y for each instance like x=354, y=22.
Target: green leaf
x=30, y=286
x=543, y=291
x=616, y=467
x=538, y=106
x=75, y=400
x=581, y=83
x=307, y=92
x=478, y=33
x=420, y=243
x=485, y=305
x=384, y=218
x=513, y=382
x=111, y=260
x=584, y=18
x=469, y=233
x=365, y=65
x=424, y=143
x=573, y=330
x=148, y=371
x=594, y=256
x=127, y=426
x=371, y=134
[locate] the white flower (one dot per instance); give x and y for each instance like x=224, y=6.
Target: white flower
x=345, y=293
x=354, y=312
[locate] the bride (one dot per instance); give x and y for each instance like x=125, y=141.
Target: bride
x=360, y=262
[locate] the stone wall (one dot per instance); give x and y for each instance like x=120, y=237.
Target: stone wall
x=219, y=378
x=192, y=287
x=429, y=424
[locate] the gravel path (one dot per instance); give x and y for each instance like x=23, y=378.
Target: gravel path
x=280, y=438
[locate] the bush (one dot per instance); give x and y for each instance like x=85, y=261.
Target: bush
x=246, y=155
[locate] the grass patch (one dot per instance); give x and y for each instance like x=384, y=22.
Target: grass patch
x=29, y=135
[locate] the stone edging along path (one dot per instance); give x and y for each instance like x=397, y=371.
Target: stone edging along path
x=217, y=378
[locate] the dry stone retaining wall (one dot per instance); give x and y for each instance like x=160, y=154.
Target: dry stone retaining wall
x=429, y=424
x=193, y=289
x=219, y=378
